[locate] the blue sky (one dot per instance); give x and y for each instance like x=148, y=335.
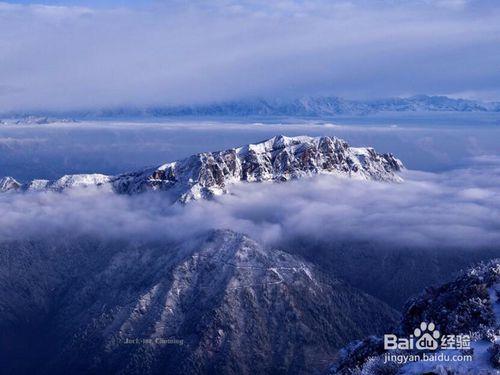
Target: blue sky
x=110, y=53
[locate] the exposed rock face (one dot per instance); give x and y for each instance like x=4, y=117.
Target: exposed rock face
x=205, y=175
x=236, y=307
x=277, y=159
x=469, y=305
x=8, y=183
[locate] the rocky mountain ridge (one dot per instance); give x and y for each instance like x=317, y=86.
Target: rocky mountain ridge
x=205, y=175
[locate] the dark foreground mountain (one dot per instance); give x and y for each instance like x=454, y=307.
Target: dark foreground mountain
x=220, y=304
x=205, y=175
x=469, y=305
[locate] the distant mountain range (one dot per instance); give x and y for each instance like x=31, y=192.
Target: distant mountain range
x=302, y=107
x=325, y=106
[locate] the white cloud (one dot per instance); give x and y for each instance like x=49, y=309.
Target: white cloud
x=455, y=209
x=74, y=57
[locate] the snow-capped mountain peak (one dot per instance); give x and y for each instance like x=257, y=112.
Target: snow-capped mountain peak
x=204, y=175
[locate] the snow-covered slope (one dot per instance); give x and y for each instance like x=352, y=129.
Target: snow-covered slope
x=67, y=182
x=208, y=174
x=469, y=305
x=220, y=304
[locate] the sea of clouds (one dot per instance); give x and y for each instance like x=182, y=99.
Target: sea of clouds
x=450, y=197
x=459, y=208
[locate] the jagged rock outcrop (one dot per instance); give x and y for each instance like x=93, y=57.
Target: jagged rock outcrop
x=8, y=183
x=205, y=175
